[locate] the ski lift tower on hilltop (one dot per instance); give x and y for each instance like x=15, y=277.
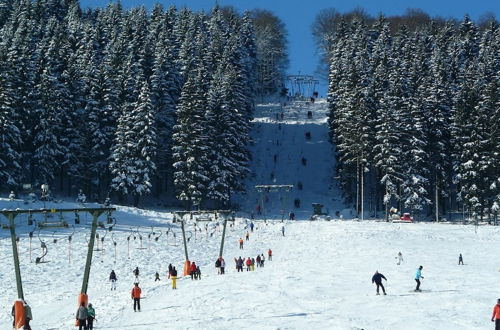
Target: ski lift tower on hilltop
x=301, y=86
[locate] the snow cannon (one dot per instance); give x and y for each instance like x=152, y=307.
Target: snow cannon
x=19, y=314
x=82, y=298
x=187, y=267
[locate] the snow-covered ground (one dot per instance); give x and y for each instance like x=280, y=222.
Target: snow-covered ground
x=320, y=277
x=285, y=139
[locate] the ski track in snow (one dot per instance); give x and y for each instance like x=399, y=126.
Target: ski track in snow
x=320, y=277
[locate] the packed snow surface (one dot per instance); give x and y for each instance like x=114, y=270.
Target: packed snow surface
x=319, y=278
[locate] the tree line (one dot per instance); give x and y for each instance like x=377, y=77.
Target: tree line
x=414, y=114
x=131, y=102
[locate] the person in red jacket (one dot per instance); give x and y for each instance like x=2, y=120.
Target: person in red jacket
x=270, y=254
x=192, y=271
x=136, y=295
x=249, y=263
x=496, y=315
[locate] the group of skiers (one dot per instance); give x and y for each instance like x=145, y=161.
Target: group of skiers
x=85, y=316
x=377, y=277
x=250, y=263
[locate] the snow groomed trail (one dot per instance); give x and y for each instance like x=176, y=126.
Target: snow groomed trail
x=279, y=144
x=320, y=277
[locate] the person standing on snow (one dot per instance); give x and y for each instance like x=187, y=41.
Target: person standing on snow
x=217, y=265
x=249, y=264
x=81, y=316
x=239, y=264
x=198, y=272
x=90, y=317
x=251, y=226
x=258, y=260
x=241, y=243
x=262, y=259
x=418, y=276
x=192, y=271
x=157, y=276
x=399, y=257
x=170, y=267
x=377, y=279
x=282, y=231
x=113, y=279
x=222, y=266
x=136, y=273
x=270, y=255
x=247, y=236
x=496, y=315
x=460, y=259
x=173, y=276
x=136, y=296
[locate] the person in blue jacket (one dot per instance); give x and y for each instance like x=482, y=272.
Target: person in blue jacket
x=418, y=276
x=377, y=279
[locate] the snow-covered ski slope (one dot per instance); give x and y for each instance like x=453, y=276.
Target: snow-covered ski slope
x=285, y=139
x=320, y=276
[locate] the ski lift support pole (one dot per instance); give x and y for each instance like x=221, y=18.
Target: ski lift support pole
x=226, y=214
x=11, y=215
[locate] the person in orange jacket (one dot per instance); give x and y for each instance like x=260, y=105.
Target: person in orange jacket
x=241, y=243
x=270, y=254
x=496, y=315
x=192, y=271
x=136, y=296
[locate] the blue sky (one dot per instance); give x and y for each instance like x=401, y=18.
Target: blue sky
x=298, y=15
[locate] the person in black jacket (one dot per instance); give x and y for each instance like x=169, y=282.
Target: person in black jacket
x=377, y=279
x=112, y=278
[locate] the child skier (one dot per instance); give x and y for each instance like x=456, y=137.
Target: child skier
x=173, y=276
x=222, y=266
x=90, y=317
x=418, y=276
x=377, y=279
x=157, y=277
x=136, y=273
x=198, y=273
x=247, y=236
x=241, y=243
x=460, y=259
x=192, y=271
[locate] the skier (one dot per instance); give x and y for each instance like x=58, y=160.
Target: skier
x=113, y=279
x=198, y=273
x=136, y=273
x=12, y=196
x=460, y=259
x=81, y=317
x=217, y=265
x=249, y=264
x=173, y=276
x=239, y=264
x=192, y=271
x=170, y=267
x=90, y=317
x=258, y=260
x=241, y=243
x=262, y=259
x=418, y=276
x=157, y=277
x=496, y=315
x=247, y=236
x=253, y=264
x=399, y=257
x=222, y=266
x=283, y=229
x=377, y=279
x=251, y=226
x=291, y=216
x=136, y=296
